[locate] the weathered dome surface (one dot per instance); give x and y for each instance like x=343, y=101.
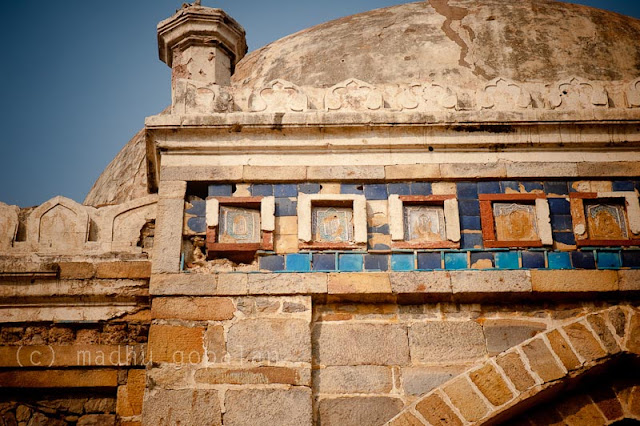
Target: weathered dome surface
x=125, y=178
x=466, y=42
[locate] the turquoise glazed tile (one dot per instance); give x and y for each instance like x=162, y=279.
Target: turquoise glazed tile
x=609, y=260
x=559, y=260
x=350, y=262
x=402, y=262
x=507, y=260
x=298, y=263
x=455, y=260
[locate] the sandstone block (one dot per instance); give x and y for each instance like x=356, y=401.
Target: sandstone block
x=618, y=319
x=96, y=420
x=490, y=281
x=444, y=188
x=580, y=410
x=473, y=170
x=287, y=283
x=420, y=282
x=59, y=378
x=599, y=325
x=412, y=171
x=447, y=340
x=193, y=308
x=176, y=344
x=184, y=406
x=131, y=395
x=126, y=270
x=254, y=376
x=547, y=170
x=353, y=379
x=76, y=270
x=512, y=365
x=504, y=334
x=420, y=380
x=358, y=411
x=167, y=376
x=466, y=400
x=215, y=343
x=202, y=173
x=167, y=242
x=542, y=361
x=607, y=402
x=563, y=350
x=346, y=173
x=584, y=341
x=633, y=336
x=406, y=419
x=574, y=281
x=268, y=407
x=491, y=384
x=620, y=168
x=629, y=280
x=267, y=339
x=184, y=284
x=287, y=225
x=360, y=344
x=358, y=282
x=437, y=412
x=274, y=173
x=286, y=243
x=233, y=284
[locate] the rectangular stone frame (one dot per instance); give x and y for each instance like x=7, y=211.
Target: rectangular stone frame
x=580, y=231
x=267, y=223
x=305, y=233
x=542, y=218
x=451, y=218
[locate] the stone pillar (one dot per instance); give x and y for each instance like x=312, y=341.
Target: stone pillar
x=167, y=246
x=201, y=44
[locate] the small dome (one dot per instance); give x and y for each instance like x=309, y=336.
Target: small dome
x=461, y=42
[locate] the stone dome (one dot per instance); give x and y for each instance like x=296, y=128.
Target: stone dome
x=466, y=42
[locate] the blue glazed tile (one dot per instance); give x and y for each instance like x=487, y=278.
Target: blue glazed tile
x=533, y=259
x=566, y=238
x=467, y=190
x=556, y=188
x=469, y=207
x=351, y=188
x=324, y=262
x=471, y=223
x=631, y=259
x=220, y=190
x=197, y=224
x=531, y=186
x=272, y=263
x=454, y=261
x=309, y=188
x=402, y=262
x=561, y=222
x=583, y=260
x=559, y=206
x=559, y=260
x=421, y=188
x=199, y=208
x=489, y=188
x=507, y=260
x=609, y=260
x=399, y=188
x=623, y=186
x=286, y=207
x=510, y=184
x=382, y=229
x=376, y=191
x=431, y=260
x=260, y=189
x=285, y=190
x=376, y=262
x=350, y=262
x=298, y=262
x=479, y=255
x=469, y=241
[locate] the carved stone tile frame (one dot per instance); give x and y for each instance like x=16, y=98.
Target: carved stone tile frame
x=397, y=205
x=542, y=221
x=267, y=223
x=306, y=202
x=627, y=199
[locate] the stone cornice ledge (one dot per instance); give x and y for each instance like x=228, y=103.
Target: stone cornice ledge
x=464, y=285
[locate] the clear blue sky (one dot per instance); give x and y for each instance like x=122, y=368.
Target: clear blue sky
x=79, y=77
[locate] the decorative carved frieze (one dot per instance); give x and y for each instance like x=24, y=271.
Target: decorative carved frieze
x=279, y=96
x=633, y=94
x=353, y=95
x=576, y=94
x=501, y=94
x=8, y=225
x=196, y=97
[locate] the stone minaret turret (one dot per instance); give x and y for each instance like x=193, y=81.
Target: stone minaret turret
x=201, y=43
